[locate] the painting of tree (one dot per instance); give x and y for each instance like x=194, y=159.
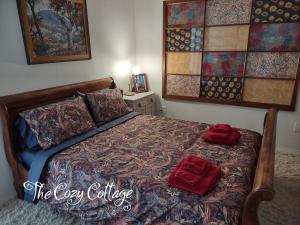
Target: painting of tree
x=70, y=15
x=56, y=30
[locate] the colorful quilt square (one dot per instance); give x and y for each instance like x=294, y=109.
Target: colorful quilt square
x=269, y=91
x=228, y=12
x=272, y=64
x=229, y=88
x=183, y=85
x=186, y=13
x=226, y=38
x=264, y=11
x=224, y=64
x=184, y=40
x=184, y=63
x=275, y=37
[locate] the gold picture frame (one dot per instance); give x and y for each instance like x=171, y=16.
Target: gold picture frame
x=54, y=31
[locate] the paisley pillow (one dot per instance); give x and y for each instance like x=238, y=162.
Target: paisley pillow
x=107, y=104
x=52, y=124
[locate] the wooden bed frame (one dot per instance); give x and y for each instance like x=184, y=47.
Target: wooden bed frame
x=11, y=106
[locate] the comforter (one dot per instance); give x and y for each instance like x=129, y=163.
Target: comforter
x=134, y=160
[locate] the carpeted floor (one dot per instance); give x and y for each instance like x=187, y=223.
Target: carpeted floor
x=283, y=210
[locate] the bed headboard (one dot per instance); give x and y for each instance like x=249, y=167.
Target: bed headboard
x=12, y=105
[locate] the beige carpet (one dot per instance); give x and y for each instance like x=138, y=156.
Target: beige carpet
x=283, y=210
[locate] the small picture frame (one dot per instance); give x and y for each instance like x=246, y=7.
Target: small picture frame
x=140, y=83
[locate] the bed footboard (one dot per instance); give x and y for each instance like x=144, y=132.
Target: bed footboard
x=262, y=189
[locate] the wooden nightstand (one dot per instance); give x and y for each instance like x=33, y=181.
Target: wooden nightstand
x=142, y=102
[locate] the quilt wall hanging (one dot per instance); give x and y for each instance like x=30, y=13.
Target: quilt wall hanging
x=238, y=52
x=55, y=30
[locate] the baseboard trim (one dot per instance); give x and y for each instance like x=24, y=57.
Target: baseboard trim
x=288, y=150
x=7, y=196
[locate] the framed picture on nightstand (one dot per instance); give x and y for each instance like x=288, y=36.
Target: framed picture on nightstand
x=140, y=83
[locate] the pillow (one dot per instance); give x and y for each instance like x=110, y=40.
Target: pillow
x=107, y=104
x=27, y=139
x=86, y=101
x=52, y=124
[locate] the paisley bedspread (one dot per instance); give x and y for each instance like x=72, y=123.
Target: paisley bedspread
x=139, y=156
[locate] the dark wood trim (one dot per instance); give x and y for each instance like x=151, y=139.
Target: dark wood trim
x=272, y=51
x=184, y=26
x=246, y=62
x=176, y=52
x=164, y=56
x=179, y=74
x=87, y=34
x=225, y=76
x=251, y=23
x=262, y=189
x=12, y=105
x=219, y=25
x=246, y=59
x=203, y=51
x=171, y=2
x=268, y=23
x=227, y=102
x=231, y=51
x=31, y=57
x=296, y=89
x=227, y=25
x=258, y=51
x=269, y=78
x=18, y=171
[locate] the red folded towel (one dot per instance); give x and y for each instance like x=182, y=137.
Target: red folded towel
x=232, y=139
x=222, y=134
x=199, y=169
x=199, y=182
x=187, y=177
x=199, y=163
x=221, y=128
x=219, y=136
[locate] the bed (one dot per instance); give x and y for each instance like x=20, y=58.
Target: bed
x=138, y=152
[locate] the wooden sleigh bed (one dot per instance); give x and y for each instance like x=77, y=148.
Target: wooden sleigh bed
x=11, y=106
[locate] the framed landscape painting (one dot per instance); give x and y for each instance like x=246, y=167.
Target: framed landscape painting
x=54, y=30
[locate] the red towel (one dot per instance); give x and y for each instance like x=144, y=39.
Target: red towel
x=219, y=136
x=222, y=134
x=187, y=177
x=199, y=169
x=221, y=128
x=233, y=138
x=199, y=182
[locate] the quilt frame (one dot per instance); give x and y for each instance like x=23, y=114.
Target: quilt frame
x=207, y=47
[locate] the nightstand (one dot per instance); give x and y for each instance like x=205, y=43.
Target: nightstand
x=142, y=102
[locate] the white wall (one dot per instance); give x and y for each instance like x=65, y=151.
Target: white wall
x=148, y=23
x=111, y=24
